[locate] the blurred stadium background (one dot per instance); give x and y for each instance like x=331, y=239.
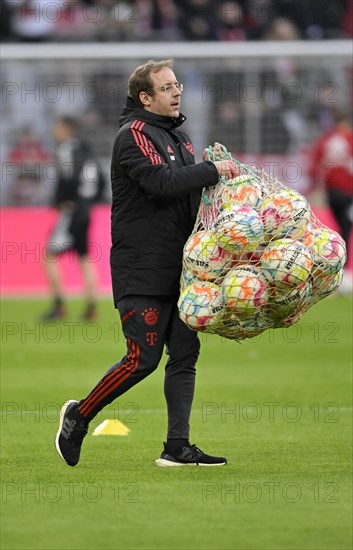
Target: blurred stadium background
x=263, y=77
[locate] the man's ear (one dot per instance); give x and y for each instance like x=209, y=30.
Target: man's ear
x=145, y=99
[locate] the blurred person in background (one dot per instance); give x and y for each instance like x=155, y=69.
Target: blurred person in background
x=117, y=21
x=231, y=24
x=197, y=19
x=28, y=22
x=80, y=184
x=284, y=114
x=315, y=19
x=332, y=163
x=164, y=20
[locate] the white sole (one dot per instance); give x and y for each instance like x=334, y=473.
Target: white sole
x=62, y=414
x=167, y=463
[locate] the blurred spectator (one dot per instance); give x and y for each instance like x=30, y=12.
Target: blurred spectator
x=197, y=19
x=118, y=21
x=282, y=29
x=26, y=161
x=32, y=21
x=316, y=19
x=286, y=87
x=151, y=20
x=164, y=21
x=259, y=16
x=231, y=21
x=332, y=163
x=76, y=20
x=348, y=20
x=5, y=21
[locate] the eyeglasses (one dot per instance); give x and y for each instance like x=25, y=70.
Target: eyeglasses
x=167, y=88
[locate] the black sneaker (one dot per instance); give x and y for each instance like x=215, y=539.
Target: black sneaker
x=57, y=312
x=90, y=313
x=189, y=455
x=70, y=435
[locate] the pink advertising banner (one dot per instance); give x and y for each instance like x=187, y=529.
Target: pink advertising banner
x=24, y=233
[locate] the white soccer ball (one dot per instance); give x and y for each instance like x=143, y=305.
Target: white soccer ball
x=239, y=328
x=252, y=257
x=188, y=277
x=242, y=190
x=328, y=251
x=244, y=291
x=291, y=319
x=286, y=263
x=204, y=256
x=238, y=228
x=285, y=213
x=201, y=306
x=286, y=305
x=325, y=284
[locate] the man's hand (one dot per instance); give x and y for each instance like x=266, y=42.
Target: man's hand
x=227, y=168
x=216, y=151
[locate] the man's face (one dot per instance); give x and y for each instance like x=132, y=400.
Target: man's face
x=166, y=103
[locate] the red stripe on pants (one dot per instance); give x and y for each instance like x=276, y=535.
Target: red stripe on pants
x=112, y=380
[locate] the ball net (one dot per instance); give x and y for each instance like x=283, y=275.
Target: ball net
x=257, y=258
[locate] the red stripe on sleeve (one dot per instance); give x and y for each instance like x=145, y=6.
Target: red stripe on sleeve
x=145, y=145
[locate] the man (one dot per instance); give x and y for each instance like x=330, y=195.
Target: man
x=156, y=193
x=79, y=185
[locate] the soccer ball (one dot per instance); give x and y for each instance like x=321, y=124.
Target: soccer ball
x=242, y=190
x=308, y=238
x=285, y=213
x=286, y=263
x=291, y=319
x=328, y=252
x=252, y=257
x=244, y=290
x=323, y=284
x=204, y=256
x=235, y=327
x=188, y=277
x=201, y=306
x=238, y=228
x=286, y=305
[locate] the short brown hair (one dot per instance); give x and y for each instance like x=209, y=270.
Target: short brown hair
x=141, y=81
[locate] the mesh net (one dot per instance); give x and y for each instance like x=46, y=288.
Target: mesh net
x=258, y=257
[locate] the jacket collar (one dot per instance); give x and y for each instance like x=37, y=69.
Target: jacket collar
x=132, y=111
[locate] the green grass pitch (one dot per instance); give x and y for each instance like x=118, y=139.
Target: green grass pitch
x=279, y=408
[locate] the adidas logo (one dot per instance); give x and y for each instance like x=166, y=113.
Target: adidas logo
x=67, y=429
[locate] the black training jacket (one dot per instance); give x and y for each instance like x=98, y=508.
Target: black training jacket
x=80, y=176
x=156, y=193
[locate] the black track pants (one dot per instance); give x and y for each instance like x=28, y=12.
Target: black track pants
x=149, y=323
x=340, y=204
